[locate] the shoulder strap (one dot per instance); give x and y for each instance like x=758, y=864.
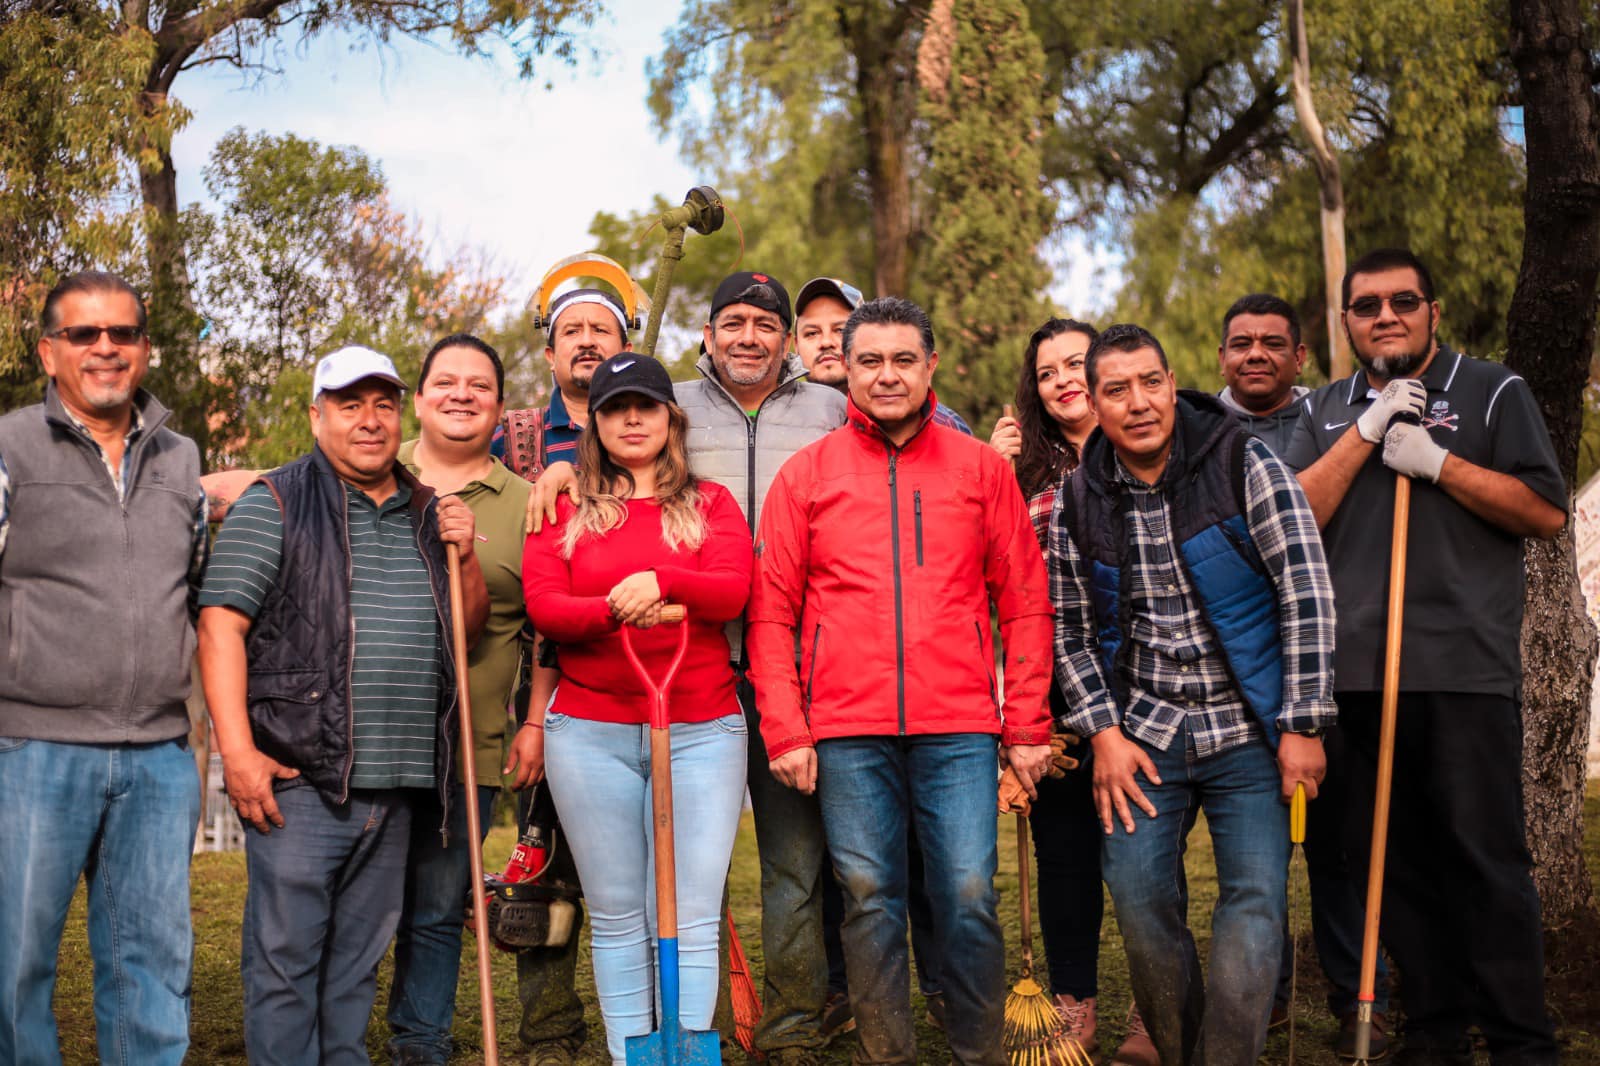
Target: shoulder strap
x=525, y=451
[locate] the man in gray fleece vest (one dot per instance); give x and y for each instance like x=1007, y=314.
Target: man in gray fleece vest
x=102, y=542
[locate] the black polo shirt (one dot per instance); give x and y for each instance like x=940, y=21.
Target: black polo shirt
x=1464, y=576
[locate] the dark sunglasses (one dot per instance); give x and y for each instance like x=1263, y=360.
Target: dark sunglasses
x=1372, y=306
x=83, y=336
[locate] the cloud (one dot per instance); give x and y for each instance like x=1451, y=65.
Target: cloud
x=516, y=168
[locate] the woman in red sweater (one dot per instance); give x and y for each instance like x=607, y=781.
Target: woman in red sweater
x=645, y=532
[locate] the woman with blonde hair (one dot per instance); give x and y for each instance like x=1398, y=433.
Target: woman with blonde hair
x=644, y=532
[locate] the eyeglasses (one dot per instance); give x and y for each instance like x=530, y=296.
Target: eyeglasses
x=1403, y=303
x=83, y=336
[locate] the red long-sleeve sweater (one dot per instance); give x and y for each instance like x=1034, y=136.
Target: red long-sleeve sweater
x=567, y=603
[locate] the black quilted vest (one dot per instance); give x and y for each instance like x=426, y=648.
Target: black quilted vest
x=301, y=648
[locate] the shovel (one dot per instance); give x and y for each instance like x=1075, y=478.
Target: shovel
x=671, y=1044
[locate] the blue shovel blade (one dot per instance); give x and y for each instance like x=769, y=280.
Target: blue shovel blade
x=673, y=1045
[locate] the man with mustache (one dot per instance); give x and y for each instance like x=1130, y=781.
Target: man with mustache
x=1193, y=635
x=326, y=656
x=1261, y=356
x=820, y=311
x=1460, y=914
x=587, y=327
x=102, y=542
x=750, y=410
x=881, y=551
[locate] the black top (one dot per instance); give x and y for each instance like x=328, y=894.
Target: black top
x=1464, y=576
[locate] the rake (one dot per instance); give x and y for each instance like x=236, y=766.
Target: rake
x=1035, y=1033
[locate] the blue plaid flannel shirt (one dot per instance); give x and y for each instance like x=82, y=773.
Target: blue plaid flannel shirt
x=1176, y=669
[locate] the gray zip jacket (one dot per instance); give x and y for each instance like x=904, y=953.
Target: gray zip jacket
x=743, y=453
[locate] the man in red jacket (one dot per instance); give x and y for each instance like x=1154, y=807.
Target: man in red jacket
x=883, y=545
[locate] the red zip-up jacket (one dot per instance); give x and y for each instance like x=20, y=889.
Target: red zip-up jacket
x=886, y=560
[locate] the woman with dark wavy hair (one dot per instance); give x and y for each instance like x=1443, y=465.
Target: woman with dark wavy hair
x=1043, y=440
x=644, y=532
x=1053, y=417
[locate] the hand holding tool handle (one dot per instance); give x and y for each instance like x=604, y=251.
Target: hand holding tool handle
x=480, y=916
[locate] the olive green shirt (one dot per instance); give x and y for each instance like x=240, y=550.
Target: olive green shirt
x=499, y=504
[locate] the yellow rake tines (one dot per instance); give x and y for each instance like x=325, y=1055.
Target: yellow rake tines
x=1034, y=1032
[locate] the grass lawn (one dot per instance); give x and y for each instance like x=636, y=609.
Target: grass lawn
x=219, y=884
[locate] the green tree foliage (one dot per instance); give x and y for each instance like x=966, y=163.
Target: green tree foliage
x=983, y=269
x=305, y=255
x=804, y=115
x=111, y=106
x=63, y=120
x=1175, y=140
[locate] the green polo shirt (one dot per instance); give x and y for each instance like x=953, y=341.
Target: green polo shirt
x=499, y=504
x=396, y=667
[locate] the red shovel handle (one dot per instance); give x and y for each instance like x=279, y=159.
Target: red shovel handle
x=672, y=612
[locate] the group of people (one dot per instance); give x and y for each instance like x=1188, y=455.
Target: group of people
x=1188, y=590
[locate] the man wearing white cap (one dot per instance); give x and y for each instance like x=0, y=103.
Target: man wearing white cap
x=325, y=653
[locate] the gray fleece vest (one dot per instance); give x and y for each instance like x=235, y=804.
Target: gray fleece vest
x=94, y=615
x=743, y=454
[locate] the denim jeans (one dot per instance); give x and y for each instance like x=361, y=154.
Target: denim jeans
x=427, y=944
x=322, y=904
x=599, y=773
x=872, y=790
x=1222, y=1021
x=125, y=816
x=924, y=948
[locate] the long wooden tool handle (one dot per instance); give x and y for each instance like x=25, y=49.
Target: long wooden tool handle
x=666, y=855
x=480, y=916
x=1025, y=891
x=1386, y=732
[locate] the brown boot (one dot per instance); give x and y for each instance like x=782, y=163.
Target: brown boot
x=1137, y=1048
x=1079, y=1016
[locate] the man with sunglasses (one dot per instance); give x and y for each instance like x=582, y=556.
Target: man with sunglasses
x=102, y=544
x=1460, y=914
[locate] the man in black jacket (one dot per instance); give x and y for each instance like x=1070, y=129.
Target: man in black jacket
x=325, y=653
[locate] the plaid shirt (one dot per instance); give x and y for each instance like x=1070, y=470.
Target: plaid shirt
x=201, y=544
x=1175, y=667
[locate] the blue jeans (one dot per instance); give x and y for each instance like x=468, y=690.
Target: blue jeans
x=125, y=816
x=427, y=945
x=872, y=790
x=323, y=901
x=599, y=773
x=1223, y=1020
x=792, y=850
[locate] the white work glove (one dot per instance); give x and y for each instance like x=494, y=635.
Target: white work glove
x=1405, y=396
x=1410, y=450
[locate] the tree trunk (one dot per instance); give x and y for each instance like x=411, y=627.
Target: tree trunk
x=176, y=378
x=1550, y=334
x=1332, y=192
x=884, y=47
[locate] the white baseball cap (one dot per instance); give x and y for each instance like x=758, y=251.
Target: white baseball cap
x=347, y=366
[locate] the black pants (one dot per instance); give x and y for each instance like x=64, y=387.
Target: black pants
x=1460, y=913
x=1071, y=901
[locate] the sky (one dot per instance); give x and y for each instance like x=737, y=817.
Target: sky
x=468, y=148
